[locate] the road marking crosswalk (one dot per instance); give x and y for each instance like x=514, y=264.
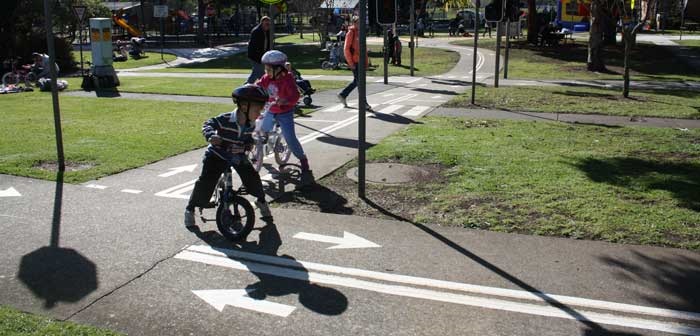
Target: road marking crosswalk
x=416, y=111
x=390, y=109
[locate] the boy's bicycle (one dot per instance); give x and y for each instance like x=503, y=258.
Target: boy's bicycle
x=270, y=143
x=235, y=216
x=18, y=74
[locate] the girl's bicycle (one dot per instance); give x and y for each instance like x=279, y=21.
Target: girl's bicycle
x=235, y=216
x=267, y=144
x=18, y=74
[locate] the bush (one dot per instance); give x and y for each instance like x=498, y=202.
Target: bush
x=24, y=47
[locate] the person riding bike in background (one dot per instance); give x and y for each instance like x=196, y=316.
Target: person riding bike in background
x=229, y=136
x=284, y=95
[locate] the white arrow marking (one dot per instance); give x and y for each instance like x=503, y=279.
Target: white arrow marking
x=220, y=298
x=178, y=191
x=349, y=240
x=178, y=170
x=10, y=192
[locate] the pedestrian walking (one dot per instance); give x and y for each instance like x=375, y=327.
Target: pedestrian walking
x=487, y=28
x=260, y=42
x=352, y=56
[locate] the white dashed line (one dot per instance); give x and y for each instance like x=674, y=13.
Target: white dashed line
x=416, y=111
x=390, y=109
x=131, y=191
x=96, y=186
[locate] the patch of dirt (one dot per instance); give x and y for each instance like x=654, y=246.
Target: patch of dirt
x=668, y=156
x=70, y=166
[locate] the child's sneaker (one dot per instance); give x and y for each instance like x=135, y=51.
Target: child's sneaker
x=189, y=219
x=265, y=212
x=343, y=100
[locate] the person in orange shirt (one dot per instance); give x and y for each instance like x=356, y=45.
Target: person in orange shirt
x=352, y=56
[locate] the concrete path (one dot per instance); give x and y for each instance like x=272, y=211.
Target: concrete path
x=587, y=119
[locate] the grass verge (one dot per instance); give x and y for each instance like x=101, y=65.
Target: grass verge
x=102, y=135
x=16, y=323
x=307, y=59
x=624, y=185
x=569, y=99
x=568, y=61
x=151, y=58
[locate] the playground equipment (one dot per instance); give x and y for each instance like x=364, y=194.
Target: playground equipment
x=103, y=74
x=122, y=23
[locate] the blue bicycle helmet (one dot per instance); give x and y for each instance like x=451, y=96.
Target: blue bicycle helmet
x=274, y=58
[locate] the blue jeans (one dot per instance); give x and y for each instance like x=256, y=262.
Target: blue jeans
x=258, y=70
x=346, y=91
x=286, y=121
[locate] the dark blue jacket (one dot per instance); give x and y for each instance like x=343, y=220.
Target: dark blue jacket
x=226, y=127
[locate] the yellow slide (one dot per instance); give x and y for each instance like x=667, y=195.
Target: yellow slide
x=122, y=23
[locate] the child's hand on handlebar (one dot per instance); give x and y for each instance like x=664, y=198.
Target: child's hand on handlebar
x=215, y=140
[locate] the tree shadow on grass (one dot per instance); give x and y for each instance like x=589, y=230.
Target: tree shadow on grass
x=682, y=179
x=673, y=279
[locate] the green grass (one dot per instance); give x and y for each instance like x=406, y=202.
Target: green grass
x=212, y=87
x=112, y=134
x=625, y=185
x=663, y=103
x=307, y=59
x=16, y=323
x=151, y=58
x=568, y=61
x=689, y=43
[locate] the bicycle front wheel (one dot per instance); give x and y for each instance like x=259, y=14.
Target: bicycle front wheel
x=10, y=78
x=256, y=155
x=235, y=218
x=282, y=151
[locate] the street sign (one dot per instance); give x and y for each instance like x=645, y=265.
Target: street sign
x=79, y=12
x=387, y=12
x=160, y=11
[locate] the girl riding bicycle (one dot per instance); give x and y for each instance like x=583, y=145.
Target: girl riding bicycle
x=229, y=136
x=284, y=95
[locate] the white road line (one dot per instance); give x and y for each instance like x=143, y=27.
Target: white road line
x=317, y=120
x=402, y=98
x=178, y=190
x=427, y=294
x=96, y=186
x=387, y=95
x=390, y=109
x=416, y=111
x=454, y=286
x=414, y=80
x=450, y=77
x=131, y=191
x=334, y=108
x=436, y=97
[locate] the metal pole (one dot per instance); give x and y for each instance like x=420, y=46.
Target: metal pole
x=54, y=86
x=272, y=27
x=412, y=31
x=496, y=71
x=682, y=23
x=80, y=39
x=362, y=104
x=387, y=49
x=474, y=60
x=505, y=60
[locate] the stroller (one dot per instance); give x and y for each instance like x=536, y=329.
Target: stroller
x=137, y=45
x=336, y=58
x=304, y=87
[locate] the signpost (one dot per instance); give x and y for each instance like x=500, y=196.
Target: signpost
x=477, y=4
x=412, y=31
x=362, y=103
x=161, y=11
x=79, y=12
x=54, y=88
x=505, y=60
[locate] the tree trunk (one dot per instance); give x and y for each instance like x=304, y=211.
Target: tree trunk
x=201, y=10
x=595, y=42
x=532, y=28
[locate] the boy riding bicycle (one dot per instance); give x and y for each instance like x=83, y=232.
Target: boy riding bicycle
x=229, y=136
x=280, y=85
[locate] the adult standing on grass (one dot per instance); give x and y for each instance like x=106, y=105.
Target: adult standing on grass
x=260, y=42
x=352, y=56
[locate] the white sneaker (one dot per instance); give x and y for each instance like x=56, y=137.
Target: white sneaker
x=265, y=212
x=343, y=100
x=189, y=219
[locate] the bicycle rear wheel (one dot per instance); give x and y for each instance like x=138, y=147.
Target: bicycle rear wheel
x=10, y=78
x=235, y=218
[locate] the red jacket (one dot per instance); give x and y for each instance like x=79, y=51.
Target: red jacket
x=352, y=46
x=284, y=87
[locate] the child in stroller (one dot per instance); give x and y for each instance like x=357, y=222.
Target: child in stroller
x=303, y=85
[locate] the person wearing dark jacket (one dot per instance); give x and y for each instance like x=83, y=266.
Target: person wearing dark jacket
x=260, y=42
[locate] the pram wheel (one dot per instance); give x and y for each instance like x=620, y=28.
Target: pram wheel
x=327, y=65
x=308, y=100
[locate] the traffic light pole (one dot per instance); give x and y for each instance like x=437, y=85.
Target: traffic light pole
x=496, y=71
x=476, y=42
x=387, y=49
x=362, y=103
x=505, y=60
x=412, y=31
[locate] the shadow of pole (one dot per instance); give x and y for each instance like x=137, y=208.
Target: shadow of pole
x=57, y=207
x=593, y=328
